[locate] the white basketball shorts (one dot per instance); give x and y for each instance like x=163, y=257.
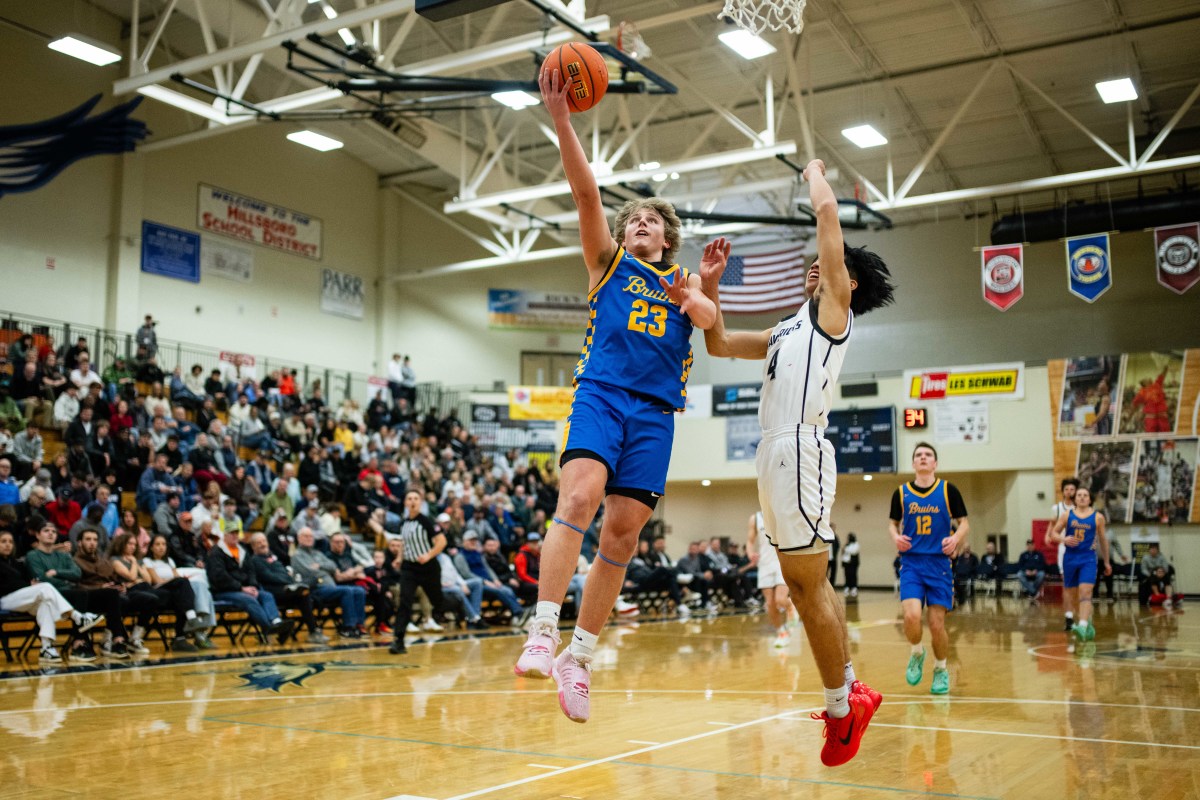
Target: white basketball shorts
x=797, y=481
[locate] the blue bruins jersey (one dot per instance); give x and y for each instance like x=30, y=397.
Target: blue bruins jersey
x=926, y=517
x=637, y=339
x=1082, y=530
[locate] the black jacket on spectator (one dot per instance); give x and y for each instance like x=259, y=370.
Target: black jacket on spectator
x=227, y=574
x=76, y=433
x=271, y=573
x=1031, y=562
x=13, y=576
x=279, y=544
x=183, y=547
x=965, y=567
x=499, y=565
x=991, y=566
x=97, y=449
x=310, y=473
x=149, y=373
x=202, y=459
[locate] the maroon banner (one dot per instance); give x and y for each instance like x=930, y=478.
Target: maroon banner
x=1177, y=256
x=1003, y=275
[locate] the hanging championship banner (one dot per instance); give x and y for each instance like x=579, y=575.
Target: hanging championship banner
x=1089, y=268
x=1003, y=275
x=1177, y=252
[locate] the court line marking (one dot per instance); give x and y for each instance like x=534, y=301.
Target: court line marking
x=1034, y=735
x=617, y=757
x=727, y=724
x=1105, y=661
x=542, y=766
x=534, y=693
x=640, y=741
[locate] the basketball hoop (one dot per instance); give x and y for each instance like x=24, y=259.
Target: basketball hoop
x=630, y=42
x=757, y=16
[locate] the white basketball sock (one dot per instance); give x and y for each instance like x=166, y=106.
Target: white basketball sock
x=582, y=644
x=546, y=613
x=837, y=702
x=849, y=671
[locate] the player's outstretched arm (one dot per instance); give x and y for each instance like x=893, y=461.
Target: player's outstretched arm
x=717, y=340
x=833, y=289
x=599, y=247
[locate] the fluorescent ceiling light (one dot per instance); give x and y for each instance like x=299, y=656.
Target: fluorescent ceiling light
x=85, y=49
x=660, y=177
x=315, y=140
x=329, y=11
x=864, y=136
x=746, y=44
x=649, y=165
x=1116, y=91
x=517, y=99
x=347, y=37
x=183, y=101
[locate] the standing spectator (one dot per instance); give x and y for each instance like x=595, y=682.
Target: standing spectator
x=395, y=377
x=835, y=547
x=423, y=541
x=991, y=566
x=408, y=382
x=1031, y=570
x=850, y=565
x=232, y=580
x=146, y=337
x=317, y=571
x=966, y=568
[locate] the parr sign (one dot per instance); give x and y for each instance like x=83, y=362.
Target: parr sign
x=993, y=381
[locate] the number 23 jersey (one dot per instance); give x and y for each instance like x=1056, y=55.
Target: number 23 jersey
x=637, y=339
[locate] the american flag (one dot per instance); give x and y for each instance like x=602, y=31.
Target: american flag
x=762, y=282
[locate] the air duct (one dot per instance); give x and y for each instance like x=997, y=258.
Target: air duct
x=1134, y=214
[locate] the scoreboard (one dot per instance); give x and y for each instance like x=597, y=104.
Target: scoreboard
x=864, y=439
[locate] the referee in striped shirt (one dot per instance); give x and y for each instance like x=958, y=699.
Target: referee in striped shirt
x=422, y=540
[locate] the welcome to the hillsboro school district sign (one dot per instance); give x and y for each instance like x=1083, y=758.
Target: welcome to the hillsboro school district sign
x=259, y=222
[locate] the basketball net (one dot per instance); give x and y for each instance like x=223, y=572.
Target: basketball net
x=630, y=42
x=757, y=16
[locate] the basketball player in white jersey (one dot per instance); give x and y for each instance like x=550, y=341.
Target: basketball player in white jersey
x=1068, y=488
x=770, y=578
x=797, y=477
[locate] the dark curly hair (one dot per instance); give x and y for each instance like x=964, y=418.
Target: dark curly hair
x=875, y=288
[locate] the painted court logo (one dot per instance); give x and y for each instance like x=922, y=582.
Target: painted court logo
x=274, y=675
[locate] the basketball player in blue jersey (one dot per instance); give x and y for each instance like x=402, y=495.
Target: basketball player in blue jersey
x=928, y=523
x=1082, y=531
x=797, y=477
x=630, y=380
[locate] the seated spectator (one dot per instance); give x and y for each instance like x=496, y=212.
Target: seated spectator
x=465, y=594
x=163, y=568
x=148, y=371
x=279, y=500
x=262, y=471
x=80, y=429
x=244, y=492
x=97, y=574
x=83, y=376
x=350, y=573
x=10, y=490
x=99, y=448
x=155, y=485
x=470, y=560
x=310, y=518
x=232, y=580
x=184, y=544
x=209, y=508
x=1031, y=570
x=72, y=353
x=504, y=572
x=110, y=519
x=526, y=565
x=225, y=455
x=64, y=512
x=965, y=567
x=641, y=577
x=991, y=567
x=1121, y=564
x=385, y=569
x=66, y=408
x=90, y=521
x=288, y=592
x=166, y=516
x=1151, y=562
x=118, y=381
x=40, y=600
x=1162, y=593
x=229, y=519
x=697, y=566
x=120, y=419
x=319, y=573
x=12, y=418
x=190, y=492
x=175, y=594
x=725, y=575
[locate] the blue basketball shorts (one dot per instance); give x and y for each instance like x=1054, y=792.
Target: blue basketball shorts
x=928, y=579
x=631, y=434
x=1079, y=570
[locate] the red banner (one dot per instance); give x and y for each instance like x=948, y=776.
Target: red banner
x=1177, y=256
x=1003, y=275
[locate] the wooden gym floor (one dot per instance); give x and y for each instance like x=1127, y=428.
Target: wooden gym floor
x=702, y=709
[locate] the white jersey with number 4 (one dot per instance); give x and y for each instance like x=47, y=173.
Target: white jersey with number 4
x=801, y=370
x=797, y=475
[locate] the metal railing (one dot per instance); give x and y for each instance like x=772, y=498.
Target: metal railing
x=106, y=345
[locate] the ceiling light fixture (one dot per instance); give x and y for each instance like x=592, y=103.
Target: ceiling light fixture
x=515, y=100
x=86, y=49
x=190, y=104
x=1116, y=91
x=864, y=136
x=746, y=44
x=649, y=165
x=317, y=141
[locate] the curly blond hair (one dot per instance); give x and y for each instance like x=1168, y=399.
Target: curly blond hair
x=671, y=225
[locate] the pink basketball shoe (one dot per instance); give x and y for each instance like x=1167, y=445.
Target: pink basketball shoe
x=574, y=679
x=537, y=657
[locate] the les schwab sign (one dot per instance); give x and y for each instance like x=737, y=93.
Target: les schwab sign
x=990, y=381
x=248, y=219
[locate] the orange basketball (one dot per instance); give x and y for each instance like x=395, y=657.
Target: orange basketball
x=584, y=68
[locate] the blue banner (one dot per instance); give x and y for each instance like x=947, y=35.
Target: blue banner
x=1089, y=268
x=170, y=252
